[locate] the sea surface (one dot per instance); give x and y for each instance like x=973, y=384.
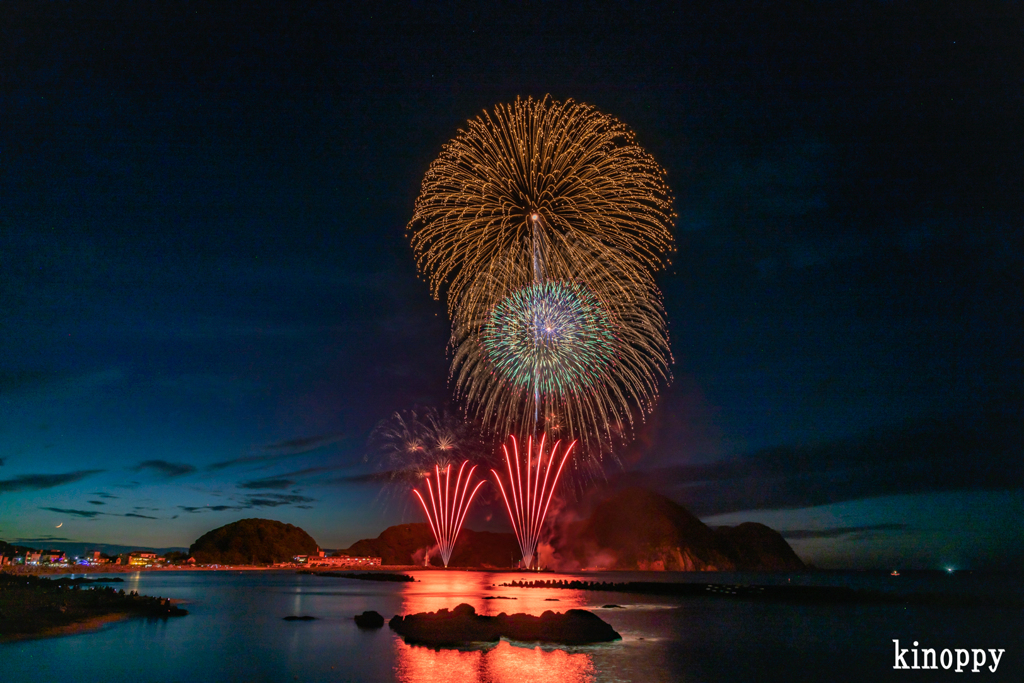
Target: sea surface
x=235, y=631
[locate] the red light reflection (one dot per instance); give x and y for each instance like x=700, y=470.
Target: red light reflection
x=503, y=663
x=436, y=590
x=423, y=665
x=509, y=664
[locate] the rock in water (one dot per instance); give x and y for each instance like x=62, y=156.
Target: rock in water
x=443, y=628
x=463, y=625
x=300, y=618
x=575, y=627
x=369, y=619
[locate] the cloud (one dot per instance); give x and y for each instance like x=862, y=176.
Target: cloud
x=209, y=508
x=966, y=452
x=286, y=480
x=273, y=500
x=101, y=494
x=262, y=500
x=92, y=514
x=836, y=532
x=247, y=460
x=95, y=502
x=267, y=483
x=1, y=462
x=164, y=468
x=279, y=451
x=303, y=445
x=367, y=478
x=89, y=514
x=38, y=482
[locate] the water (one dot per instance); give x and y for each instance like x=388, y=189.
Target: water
x=235, y=632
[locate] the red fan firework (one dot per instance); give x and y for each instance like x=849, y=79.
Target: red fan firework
x=530, y=496
x=447, y=510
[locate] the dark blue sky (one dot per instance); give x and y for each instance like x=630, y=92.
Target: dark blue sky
x=207, y=300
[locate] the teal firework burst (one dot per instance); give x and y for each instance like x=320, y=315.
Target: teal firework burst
x=550, y=338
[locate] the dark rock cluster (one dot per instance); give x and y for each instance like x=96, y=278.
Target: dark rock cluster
x=366, y=576
x=463, y=625
x=30, y=605
x=369, y=619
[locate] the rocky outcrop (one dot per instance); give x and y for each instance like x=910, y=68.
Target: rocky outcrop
x=31, y=606
x=369, y=619
x=638, y=529
x=462, y=626
x=758, y=547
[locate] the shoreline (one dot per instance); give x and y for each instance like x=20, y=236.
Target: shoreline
x=73, y=629
x=38, y=607
x=19, y=570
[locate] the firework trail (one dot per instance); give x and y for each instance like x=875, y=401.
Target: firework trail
x=544, y=222
x=447, y=510
x=528, y=498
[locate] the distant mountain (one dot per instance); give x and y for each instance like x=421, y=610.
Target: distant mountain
x=80, y=548
x=635, y=530
x=10, y=550
x=408, y=544
x=252, y=541
x=638, y=529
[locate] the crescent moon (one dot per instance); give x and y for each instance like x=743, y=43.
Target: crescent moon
x=59, y=525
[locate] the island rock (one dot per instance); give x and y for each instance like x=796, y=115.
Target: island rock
x=369, y=619
x=463, y=625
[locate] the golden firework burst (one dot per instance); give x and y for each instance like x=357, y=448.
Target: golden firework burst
x=547, y=209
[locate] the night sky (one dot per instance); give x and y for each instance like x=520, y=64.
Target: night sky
x=207, y=299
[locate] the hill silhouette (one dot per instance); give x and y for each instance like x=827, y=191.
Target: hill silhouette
x=252, y=541
x=636, y=529
x=640, y=529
